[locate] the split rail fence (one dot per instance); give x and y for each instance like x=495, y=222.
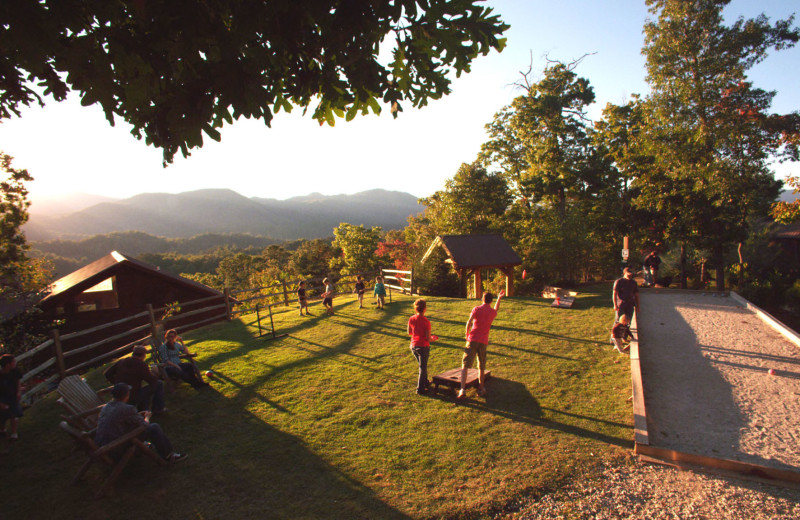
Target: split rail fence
x=68, y=356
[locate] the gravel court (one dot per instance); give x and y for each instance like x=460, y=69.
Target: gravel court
x=705, y=370
x=705, y=367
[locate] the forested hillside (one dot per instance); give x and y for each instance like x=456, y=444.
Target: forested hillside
x=225, y=211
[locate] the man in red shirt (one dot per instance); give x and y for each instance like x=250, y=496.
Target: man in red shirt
x=478, y=325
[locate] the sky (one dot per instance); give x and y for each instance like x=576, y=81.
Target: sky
x=69, y=148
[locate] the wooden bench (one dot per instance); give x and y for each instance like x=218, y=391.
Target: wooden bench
x=452, y=379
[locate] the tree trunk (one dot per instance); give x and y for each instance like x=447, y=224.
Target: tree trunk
x=683, y=266
x=719, y=260
x=741, y=267
x=703, y=273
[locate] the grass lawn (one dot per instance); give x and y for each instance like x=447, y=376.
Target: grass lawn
x=324, y=423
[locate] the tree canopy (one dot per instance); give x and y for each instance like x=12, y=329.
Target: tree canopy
x=175, y=69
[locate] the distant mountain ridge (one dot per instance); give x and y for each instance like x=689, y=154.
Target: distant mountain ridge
x=226, y=211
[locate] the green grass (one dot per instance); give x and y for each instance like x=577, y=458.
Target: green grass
x=325, y=423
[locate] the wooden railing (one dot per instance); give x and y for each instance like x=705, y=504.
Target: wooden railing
x=401, y=284
x=143, y=328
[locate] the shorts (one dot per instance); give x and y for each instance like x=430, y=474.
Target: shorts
x=473, y=349
x=626, y=309
x=15, y=410
x=303, y=302
x=327, y=301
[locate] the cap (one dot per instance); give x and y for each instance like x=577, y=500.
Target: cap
x=120, y=390
x=139, y=349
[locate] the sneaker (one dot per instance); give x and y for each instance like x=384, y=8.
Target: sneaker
x=461, y=394
x=482, y=392
x=176, y=457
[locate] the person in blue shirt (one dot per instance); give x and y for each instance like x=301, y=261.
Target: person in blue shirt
x=170, y=352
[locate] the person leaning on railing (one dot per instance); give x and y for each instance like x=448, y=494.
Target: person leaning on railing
x=171, y=351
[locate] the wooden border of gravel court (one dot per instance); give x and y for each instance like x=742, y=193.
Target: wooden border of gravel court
x=648, y=453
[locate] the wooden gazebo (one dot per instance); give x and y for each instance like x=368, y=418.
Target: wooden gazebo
x=470, y=253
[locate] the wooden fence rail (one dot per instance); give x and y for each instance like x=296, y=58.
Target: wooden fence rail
x=148, y=322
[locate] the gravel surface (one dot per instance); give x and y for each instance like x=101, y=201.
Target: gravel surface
x=628, y=491
x=705, y=368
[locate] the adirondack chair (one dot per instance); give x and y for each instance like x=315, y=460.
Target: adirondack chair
x=78, y=397
x=115, y=455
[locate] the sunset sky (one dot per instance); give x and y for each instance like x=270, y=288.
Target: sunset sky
x=69, y=148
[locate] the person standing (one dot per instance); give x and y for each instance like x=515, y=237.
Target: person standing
x=625, y=295
x=10, y=394
x=327, y=296
x=478, y=325
x=419, y=328
x=359, y=290
x=379, y=291
x=302, y=298
x=651, y=264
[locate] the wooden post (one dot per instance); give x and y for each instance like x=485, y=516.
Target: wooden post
x=478, y=283
x=59, y=353
x=509, y=272
x=153, y=324
x=462, y=282
x=285, y=293
x=271, y=323
x=227, y=294
x=258, y=318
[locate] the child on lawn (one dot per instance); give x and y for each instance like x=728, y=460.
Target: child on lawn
x=302, y=298
x=620, y=333
x=359, y=290
x=419, y=328
x=327, y=296
x=379, y=291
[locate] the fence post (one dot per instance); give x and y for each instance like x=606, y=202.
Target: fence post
x=227, y=293
x=153, y=325
x=411, y=283
x=59, y=353
x=258, y=318
x=285, y=293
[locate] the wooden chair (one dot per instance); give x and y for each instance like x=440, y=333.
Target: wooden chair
x=115, y=455
x=78, y=397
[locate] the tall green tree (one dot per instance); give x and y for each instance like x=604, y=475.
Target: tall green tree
x=708, y=128
x=358, y=246
x=22, y=279
x=541, y=145
x=470, y=203
x=178, y=69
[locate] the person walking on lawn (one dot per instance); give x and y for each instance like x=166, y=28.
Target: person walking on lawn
x=419, y=328
x=478, y=325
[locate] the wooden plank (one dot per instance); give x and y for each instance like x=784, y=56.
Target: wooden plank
x=107, y=340
x=395, y=271
x=38, y=387
x=195, y=312
x=640, y=430
x=742, y=468
x=79, y=333
x=47, y=364
x=34, y=350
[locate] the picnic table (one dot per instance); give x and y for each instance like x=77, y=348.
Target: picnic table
x=452, y=379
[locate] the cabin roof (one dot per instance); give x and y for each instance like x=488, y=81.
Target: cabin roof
x=94, y=273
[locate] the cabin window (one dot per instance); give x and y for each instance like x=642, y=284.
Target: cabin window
x=99, y=297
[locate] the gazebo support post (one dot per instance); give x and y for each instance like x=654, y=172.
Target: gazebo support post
x=462, y=282
x=478, y=284
x=509, y=272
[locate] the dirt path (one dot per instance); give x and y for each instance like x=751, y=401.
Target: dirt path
x=705, y=363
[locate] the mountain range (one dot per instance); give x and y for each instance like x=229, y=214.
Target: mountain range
x=222, y=211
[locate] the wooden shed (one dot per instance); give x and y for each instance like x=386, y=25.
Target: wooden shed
x=115, y=287
x=469, y=254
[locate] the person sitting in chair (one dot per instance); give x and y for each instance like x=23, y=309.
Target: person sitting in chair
x=118, y=418
x=170, y=352
x=134, y=370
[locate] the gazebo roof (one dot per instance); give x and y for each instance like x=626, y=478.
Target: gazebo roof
x=473, y=251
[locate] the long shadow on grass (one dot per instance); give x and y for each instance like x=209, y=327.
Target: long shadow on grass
x=512, y=400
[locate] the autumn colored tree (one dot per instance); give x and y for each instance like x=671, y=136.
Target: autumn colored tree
x=178, y=69
x=708, y=128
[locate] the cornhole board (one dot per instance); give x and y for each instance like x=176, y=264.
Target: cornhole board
x=452, y=379
x=563, y=303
